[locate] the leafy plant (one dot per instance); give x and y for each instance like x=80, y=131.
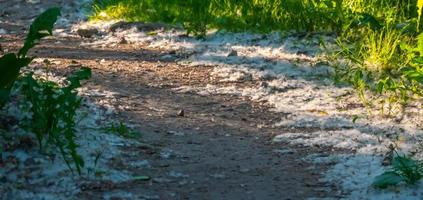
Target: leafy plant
x=53, y=109
x=10, y=64
x=404, y=169
x=52, y=106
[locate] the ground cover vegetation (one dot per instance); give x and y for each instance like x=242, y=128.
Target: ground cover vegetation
x=379, y=49
x=52, y=106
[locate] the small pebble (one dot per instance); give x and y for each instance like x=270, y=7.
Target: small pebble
x=181, y=113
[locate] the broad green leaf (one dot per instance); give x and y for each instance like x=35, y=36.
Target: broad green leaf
x=387, y=179
x=9, y=69
x=41, y=27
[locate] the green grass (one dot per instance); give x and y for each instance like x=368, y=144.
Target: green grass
x=257, y=15
x=198, y=15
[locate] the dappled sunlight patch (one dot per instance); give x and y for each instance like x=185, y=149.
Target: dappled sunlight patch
x=344, y=139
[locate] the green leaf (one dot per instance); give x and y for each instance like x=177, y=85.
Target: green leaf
x=380, y=86
x=83, y=74
x=403, y=162
x=41, y=27
x=414, y=73
x=355, y=118
x=407, y=168
x=369, y=20
x=10, y=66
x=387, y=179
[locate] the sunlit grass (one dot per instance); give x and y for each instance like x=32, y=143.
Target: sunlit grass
x=241, y=15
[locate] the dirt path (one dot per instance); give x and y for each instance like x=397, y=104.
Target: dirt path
x=217, y=143
x=219, y=148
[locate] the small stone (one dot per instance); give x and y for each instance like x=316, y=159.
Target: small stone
x=181, y=113
x=123, y=41
x=232, y=53
x=87, y=33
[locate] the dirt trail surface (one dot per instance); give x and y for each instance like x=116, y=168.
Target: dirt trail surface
x=219, y=120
